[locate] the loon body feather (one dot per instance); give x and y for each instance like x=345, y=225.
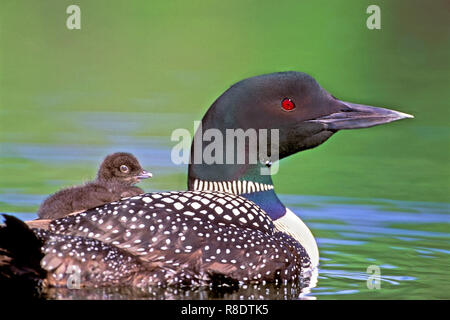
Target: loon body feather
x=179, y=238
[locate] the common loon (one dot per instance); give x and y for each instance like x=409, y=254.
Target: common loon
x=115, y=180
x=230, y=225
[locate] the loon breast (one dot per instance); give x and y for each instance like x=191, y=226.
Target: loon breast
x=173, y=238
x=288, y=223
x=292, y=225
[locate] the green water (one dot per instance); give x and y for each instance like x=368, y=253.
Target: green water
x=137, y=71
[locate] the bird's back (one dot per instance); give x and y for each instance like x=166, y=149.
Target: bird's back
x=80, y=198
x=173, y=238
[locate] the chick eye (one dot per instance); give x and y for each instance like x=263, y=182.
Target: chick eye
x=124, y=168
x=287, y=104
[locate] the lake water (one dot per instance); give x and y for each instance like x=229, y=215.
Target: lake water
x=408, y=241
x=138, y=70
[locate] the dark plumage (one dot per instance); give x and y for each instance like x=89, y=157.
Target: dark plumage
x=115, y=179
x=21, y=274
x=171, y=238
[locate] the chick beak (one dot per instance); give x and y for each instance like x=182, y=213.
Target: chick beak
x=144, y=175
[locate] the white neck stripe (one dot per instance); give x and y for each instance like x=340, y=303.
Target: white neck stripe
x=235, y=186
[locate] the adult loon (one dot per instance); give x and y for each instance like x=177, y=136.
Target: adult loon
x=115, y=180
x=229, y=226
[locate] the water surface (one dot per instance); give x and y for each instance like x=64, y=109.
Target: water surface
x=138, y=70
x=407, y=240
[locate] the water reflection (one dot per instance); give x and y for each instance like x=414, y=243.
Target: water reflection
x=154, y=293
x=353, y=235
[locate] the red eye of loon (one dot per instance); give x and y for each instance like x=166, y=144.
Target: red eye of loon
x=287, y=104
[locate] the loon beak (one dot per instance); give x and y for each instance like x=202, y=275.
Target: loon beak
x=145, y=175
x=355, y=116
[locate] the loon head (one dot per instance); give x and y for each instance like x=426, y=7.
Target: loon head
x=303, y=113
x=292, y=106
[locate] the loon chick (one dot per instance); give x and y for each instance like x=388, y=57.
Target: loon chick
x=115, y=180
x=230, y=227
